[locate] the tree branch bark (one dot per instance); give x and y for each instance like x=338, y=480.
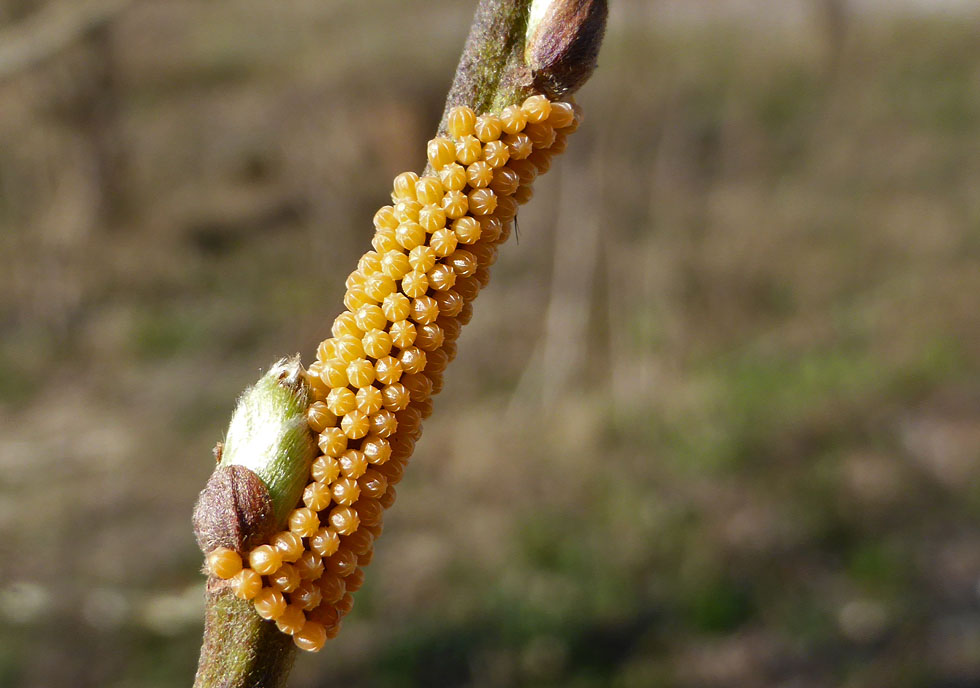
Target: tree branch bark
x=515, y=48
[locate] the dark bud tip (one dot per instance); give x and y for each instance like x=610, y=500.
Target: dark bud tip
x=563, y=40
x=234, y=510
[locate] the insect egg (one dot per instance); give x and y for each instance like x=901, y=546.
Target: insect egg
x=425, y=406
x=519, y=146
x=541, y=159
x=246, y=584
x=353, y=463
x=561, y=142
x=385, y=218
x=524, y=194
x=419, y=386
x=409, y=235
x=348, y=347
x=537, y=108
x=482, y=276
x=425, y=309
x=513, y=119
x=356, y=297
x=422, y=258
x=506, y=211
x=340, y=402
x=325, y=469
x=307, y=596
x=291, y=620
x=487, y=128
x=428, y=190
x=403, y=444
x=415, y=284
x=388, y=498
x=429, y=338
x=526, y=171
x=455, y=204
x=403, y=187
x=364, y=560
x=541, y=134
x=377, y=450
x=453, y=177
x=496, y=154
x=312, y=637
x=332, y=588
x=377, y=343
x=303, y=522
x=265, y=560
x=356, y=579
x=378, y=286
x=345, y=491
x=373, y=379
x=269, y=603
x=333, y=441
x=368, y=399
x=468, y=150
x=319, y=417
x=479, y=174
x=486, y=253
x=402, y=333
x=449, y=301
x=344, y=520
x=369, y=511
x=343, y=562
x=465, y=315
x=355, y=424
x=441, y=151
x=384, y=240
x=360, y=372
x=316, y=496
x=464, y=262
x=388, y=370
x=396, y=397
x=437, y=361
x=451, y=327
x=505, y=181
x=443, y=242
x=395, y=307
x=325, y=542
x=310, y=565
x=467, y=230
x=412, y=360
x=383, y=423
x=432, y=218
x=460, y=121
x=373, y=484
x=286, y=578
x=224, y=562
x=394, y=264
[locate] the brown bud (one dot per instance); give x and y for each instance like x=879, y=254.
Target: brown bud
x=563, y=40
x=234, y=510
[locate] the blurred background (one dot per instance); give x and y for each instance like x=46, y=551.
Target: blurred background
x=716, y=421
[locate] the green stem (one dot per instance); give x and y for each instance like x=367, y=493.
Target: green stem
x=264, y=465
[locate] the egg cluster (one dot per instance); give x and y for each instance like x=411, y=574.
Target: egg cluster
x=373, y=380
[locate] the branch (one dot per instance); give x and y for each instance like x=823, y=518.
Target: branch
x=515, y=48
x=262, y=469
x=519, y=47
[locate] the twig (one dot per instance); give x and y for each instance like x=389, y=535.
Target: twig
x=515, y=48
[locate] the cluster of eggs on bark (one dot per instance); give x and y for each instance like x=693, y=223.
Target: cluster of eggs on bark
x=374, y=378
